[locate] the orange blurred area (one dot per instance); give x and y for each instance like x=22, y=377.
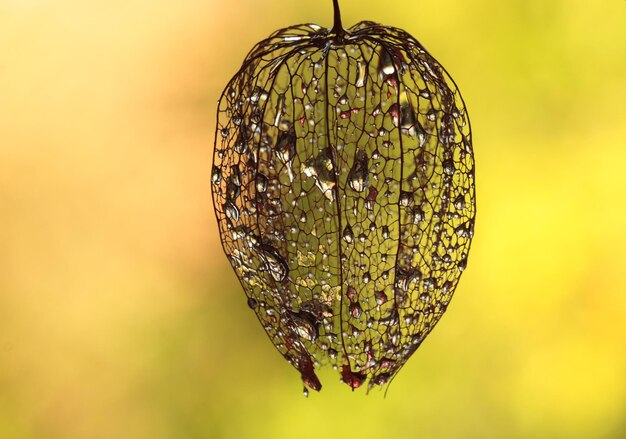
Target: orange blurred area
x=120, y=316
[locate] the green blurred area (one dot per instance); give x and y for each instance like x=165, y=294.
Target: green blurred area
x=120, y=316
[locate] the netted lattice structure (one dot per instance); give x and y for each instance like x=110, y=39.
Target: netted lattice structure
x=343, y=182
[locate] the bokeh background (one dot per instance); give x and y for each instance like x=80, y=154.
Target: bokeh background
x=121, y=318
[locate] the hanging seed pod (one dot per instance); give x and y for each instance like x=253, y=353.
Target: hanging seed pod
x=343, y=184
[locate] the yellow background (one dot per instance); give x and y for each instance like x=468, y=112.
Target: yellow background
x=120, y=317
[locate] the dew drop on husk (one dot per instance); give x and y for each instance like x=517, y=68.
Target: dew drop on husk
x=344, y=188
x=358, y=175
x=348, y=235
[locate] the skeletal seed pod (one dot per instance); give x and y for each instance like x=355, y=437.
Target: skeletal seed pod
x=343, y=183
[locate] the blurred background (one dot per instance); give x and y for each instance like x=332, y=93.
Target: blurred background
x=121, y=318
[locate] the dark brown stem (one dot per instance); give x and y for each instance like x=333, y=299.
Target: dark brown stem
x=337, y=27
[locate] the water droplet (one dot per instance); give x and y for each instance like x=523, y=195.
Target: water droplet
x=359, y=174
x=391, y=319
x=421, y=135
x=261, y=182
x=275, y=264
x=304, y=325
x=361, y=72
x=355, y=310
x=461, y=231
x=405, y=198
x=232, y=212
x=425, y=297
x=459, y=202
x=305, y=392
x=332, y=353
x=258, y=95
x=404, y=277
x=408, y=120
x=286, y=145
x=284, y=125
x=366, y=278
x=322, y=169
x=240, y=232
x=462, y=264
x=225, y=132
x=448, y=167
x=241, y=145
x=430, y=283
x=345, y=114
x=253, y=303
x=417, y=338
x=233, y=187
x=385, y=64
x=351, y=293
x=418, y=215
x=348, y=235
x=385, y=232
x=370, y=200
x=394, y=111
x=256, y=117
x=216, y=175
x=380, y=297
x=447, y=287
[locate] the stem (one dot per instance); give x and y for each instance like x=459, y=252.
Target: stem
x=337, y=27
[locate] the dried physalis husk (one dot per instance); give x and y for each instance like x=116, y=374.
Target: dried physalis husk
x=343, y=183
